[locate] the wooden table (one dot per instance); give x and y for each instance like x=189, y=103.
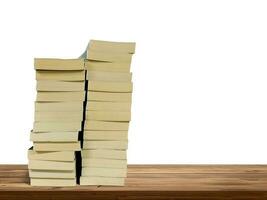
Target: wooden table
x=150, y=182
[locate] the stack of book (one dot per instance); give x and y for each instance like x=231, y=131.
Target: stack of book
x=108, y=112
x=59, y=114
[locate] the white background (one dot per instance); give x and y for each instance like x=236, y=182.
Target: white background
x=200, y=73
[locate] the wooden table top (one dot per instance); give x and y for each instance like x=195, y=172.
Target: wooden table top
x=150, y=182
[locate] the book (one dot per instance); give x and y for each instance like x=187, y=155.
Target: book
x=53, y=182
x=109, y=76
x=54, y=137
x=60, y=96
x=59, y=106
x=104, y=153
x=104, y=163
x=106, y=86
x=60, y=86
x=51, y=156
x=107, y=46
x=56, y=126
x=59, y=116
x=109, y=126
x=91, y=144
x=108, y=115
x=105, y=135
x=56, y=146
x=58, y=64
x=60, y=75
x=109, y=56
x=107, y=66
x=52, y=174
x=51, y=165
x=108, y=181
x=108, y=106
x=104, y=172
x=109, y=96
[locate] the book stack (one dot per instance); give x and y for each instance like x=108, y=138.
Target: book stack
x=58, y=122
x=108, y=112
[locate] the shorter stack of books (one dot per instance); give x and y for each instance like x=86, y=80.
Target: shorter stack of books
x=58, y=121
x=108, y=112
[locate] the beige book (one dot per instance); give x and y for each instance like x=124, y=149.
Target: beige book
x=108, y=56
x=91, y=144
x=109, y=126
x=58, y=64
x=121, y=47
x=60, y=75
x=51, y=165
x=53, y=182
x=59, y=106
x=56, y=126
x=54, y=137
x=57, y=146
x=48, y=85
x=107, y=66
x=52, y=156
x=109, y=96
x=108, y=106
x=51, y=174
x=105, y=163
x=106, y=86
x=109, y=76
x=58, y=116
x=102, y=153
x=105, y=135
x=60, y=96
x=108, y=115
x=104, y=172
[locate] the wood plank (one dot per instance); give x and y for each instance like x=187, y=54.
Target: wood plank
x=11, y=167
x=198, y=168
x=150, y=182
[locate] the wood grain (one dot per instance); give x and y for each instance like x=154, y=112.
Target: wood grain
x=150, y=182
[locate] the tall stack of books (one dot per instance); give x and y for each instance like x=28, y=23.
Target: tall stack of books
x=59, y=114
x=108, y=112
x=82, y=102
